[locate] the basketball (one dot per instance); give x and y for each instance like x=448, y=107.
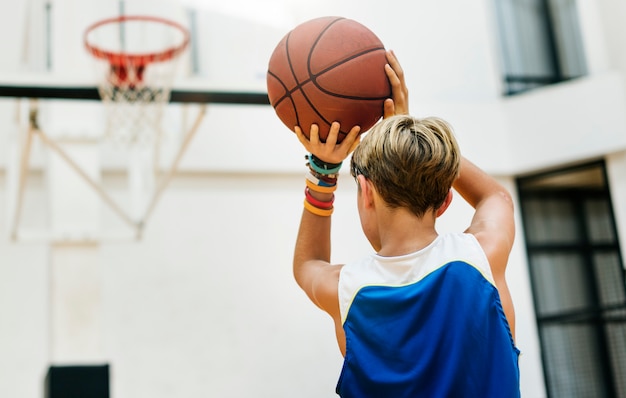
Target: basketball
x=328, y=69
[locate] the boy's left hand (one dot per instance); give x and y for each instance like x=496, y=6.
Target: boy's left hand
x=398, y=104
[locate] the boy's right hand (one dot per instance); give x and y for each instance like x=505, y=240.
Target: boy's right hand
x=329, y=151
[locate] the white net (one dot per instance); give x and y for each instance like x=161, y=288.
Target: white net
x=136, y=59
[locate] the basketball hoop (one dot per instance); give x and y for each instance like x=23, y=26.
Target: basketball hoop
x=136, y=60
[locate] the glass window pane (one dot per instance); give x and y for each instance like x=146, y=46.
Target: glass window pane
x=524, y=43
x=550, y=221
x=617, y=349
x=561, y=283
x=610, y=278
x=575, y=366
x=532, y=39
x=599, y=222
x=568, y=38
x=540, y=42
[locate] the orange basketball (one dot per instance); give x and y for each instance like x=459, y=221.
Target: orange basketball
x=328, y=69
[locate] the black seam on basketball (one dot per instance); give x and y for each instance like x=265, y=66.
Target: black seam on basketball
x=308, y=66
x=313, y=77
x=288, y=95
x=293, y=104
x=287, y=91
x=299, y=84
x=293, y=74
x=282, y=84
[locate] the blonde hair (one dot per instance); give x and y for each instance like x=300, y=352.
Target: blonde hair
x=411, y=162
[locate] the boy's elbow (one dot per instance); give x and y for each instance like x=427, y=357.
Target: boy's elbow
x=507, y=198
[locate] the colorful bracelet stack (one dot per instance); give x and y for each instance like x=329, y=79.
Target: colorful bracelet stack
x=322, y=167
x=321, y=177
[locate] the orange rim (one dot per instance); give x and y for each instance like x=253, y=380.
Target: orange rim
x=121, y=59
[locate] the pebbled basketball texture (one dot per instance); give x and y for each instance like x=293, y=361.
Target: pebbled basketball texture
x=328, y=69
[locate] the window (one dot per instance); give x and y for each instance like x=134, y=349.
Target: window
x=578, y=281
x=540, y=43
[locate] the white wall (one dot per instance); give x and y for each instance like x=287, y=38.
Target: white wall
x=205, y=304
x=611, y=29
x=566, y=123
x=24, y=313
x=616, y=174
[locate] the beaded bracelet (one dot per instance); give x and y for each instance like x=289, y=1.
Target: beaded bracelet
x=316, y=202
x=322, y=167
x=316, y=210
x=323, y=164
x=329, y=178
x=319, y=188
x=319, y=180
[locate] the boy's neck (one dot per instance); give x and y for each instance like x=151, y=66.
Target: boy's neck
x=403, y=233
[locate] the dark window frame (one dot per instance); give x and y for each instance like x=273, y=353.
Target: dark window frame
x=599, y=316
x=551, y=31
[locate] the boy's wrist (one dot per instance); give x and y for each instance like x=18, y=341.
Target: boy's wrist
x=321, y=166
x=319, y=199
x=321, y=183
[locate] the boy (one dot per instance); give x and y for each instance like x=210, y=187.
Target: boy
x=426, y=315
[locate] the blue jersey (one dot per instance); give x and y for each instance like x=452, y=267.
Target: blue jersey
x=426, y=324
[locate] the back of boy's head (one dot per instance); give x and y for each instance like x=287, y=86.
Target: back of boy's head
x=412, y=162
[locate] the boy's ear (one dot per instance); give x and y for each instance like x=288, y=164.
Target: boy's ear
x=366, y=191
x=445, y=204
